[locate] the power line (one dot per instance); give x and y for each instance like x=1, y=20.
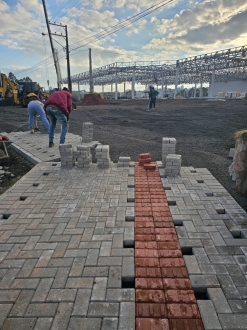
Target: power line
x=114, y=28
x=123, y=24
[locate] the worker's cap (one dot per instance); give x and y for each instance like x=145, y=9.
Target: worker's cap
x=32, y=95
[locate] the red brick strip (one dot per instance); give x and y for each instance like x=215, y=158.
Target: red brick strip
x=164, y=296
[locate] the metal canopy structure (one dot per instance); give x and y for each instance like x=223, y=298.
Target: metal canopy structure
x=224, y=65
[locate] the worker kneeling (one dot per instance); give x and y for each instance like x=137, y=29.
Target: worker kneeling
x=35, y=107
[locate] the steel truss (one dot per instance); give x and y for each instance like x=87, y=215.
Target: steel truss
x=224, y=65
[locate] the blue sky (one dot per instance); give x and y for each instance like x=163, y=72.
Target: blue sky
x=180, y=29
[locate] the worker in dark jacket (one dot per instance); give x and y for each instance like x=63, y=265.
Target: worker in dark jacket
x=58, y=107
x=152, y=98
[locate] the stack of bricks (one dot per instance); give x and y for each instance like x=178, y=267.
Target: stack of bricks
x=66, y=155
x=83, y=156
x=164, y=296
x=102, y=156
x=123, y=162
x=168, y=147
x=87, y=132
x=173, y=165
x=145, y=161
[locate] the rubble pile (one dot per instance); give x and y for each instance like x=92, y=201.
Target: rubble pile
x=91, y=99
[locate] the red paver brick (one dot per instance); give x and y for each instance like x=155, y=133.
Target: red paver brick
x=151, y=310
x=164, y=224
x=148, y=283
x=146, y=253
x=183, y=311
x=139, y=206
x=142, y=224
x=149, y=167
x=160, y=209
x=165, y=231
x=172, y=262
x=163, y=218
x=159, y=199
x=140, y=195
x=177, y=283
x=168, y=245
x=166, y=238
x=143, y=213
x=144, y=155
x=145, y=245
x=148, y=272
x=180, y=296
x=142, y=200
x=143, y=219
x=155, y=296
x=152, y=324
x=174, y=272
x=147, y=262
x=145, y=238
x=142, y=190
x=144, y=231
x=186, y=324
x=170, y=253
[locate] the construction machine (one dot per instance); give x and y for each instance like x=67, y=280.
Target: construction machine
x=9, y=90
x=13, y=93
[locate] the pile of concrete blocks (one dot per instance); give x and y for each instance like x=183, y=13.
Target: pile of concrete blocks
x=102, y=156
x=87, y=132
x=168, y=148
x=66, y=155
x=173, y=165
x=123, y=162
x=83, y=156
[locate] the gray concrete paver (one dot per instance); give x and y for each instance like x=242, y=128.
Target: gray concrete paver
x=69, y=244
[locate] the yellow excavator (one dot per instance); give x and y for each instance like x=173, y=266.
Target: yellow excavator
x=17, y=94
x=8, y=90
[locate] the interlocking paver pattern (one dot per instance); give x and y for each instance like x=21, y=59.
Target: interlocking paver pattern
x=67, y=257
x=62, y=250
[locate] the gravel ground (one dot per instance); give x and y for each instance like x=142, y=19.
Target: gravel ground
x=204, y=130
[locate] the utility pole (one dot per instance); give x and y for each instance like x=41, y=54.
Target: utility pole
x=51, y=42
x=90, y=72
x=67, y=57
x=66, y=49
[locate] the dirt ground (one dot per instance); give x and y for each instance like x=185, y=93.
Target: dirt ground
x=204, y=130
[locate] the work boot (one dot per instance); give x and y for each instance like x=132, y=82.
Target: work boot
x=51, y=144
x=32, y=131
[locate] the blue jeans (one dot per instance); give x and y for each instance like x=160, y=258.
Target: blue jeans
x=35, y=108
x=53, y=116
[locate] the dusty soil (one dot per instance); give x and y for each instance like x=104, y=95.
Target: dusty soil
x=204, y=130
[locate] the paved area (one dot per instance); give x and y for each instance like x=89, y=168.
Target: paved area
x=35, y=147
x=67, y=256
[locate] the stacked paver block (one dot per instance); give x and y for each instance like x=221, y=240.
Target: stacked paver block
x=102, y=156
x=145, y=161
x=123, y=162
x=164, y=296
x=168, y=147
x=83, y=156
x=87, y=132
x=173, y=165
x=66, y=154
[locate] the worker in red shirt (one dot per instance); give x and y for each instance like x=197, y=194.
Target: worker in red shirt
x=58, y=107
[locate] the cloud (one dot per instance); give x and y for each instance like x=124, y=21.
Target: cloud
x=211, y=25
